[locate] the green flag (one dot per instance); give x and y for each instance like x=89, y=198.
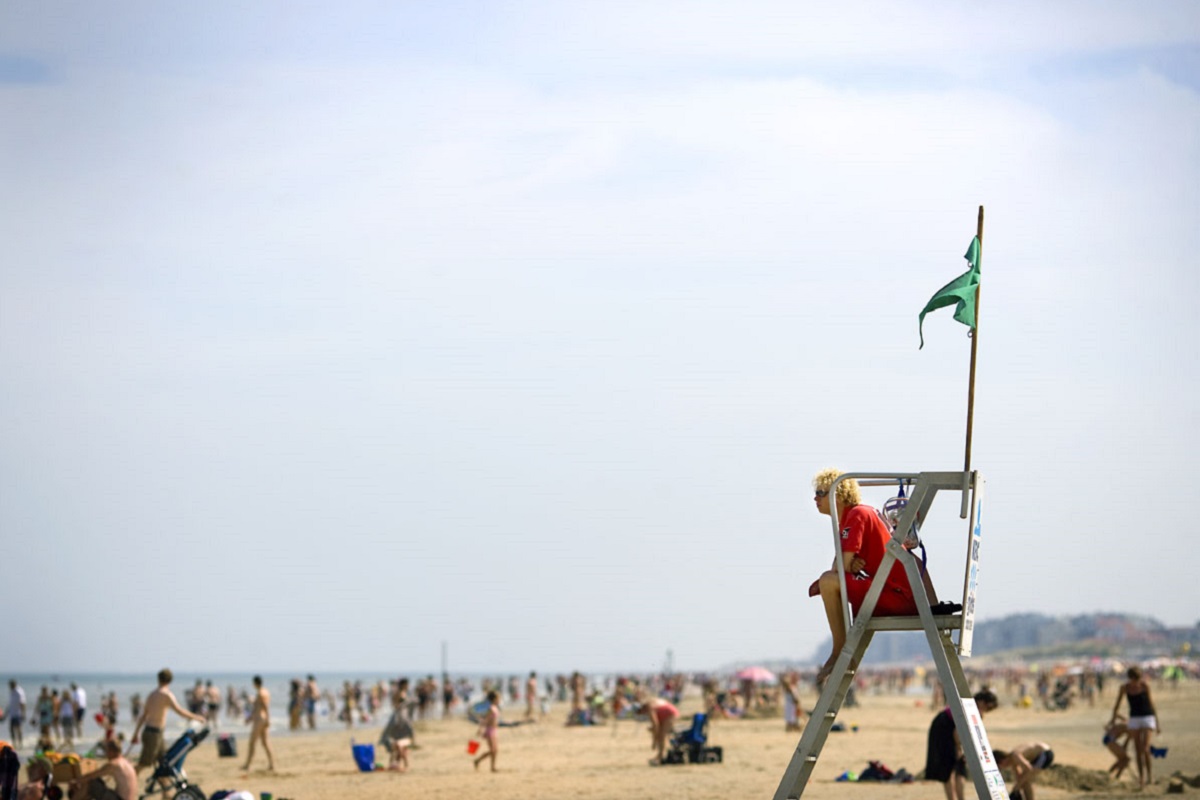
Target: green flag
x=959, y=292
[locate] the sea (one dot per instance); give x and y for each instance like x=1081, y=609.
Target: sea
x=100, y=684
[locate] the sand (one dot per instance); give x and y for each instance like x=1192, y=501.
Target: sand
x=549, y=760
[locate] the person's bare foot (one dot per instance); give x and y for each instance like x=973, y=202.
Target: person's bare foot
x=825, y=671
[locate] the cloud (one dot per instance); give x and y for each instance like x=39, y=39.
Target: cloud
x=479, y=303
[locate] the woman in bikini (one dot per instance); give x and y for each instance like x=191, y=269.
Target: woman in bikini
x=1142, y=722
x=488, y=727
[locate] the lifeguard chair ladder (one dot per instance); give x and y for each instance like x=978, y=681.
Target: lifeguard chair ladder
x=938, y=629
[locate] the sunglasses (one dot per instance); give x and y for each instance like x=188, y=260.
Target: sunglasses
x=819, y=493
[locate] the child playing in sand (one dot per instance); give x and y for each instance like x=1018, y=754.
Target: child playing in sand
x=1116, y=739
x=397, y=735
x=488, y=728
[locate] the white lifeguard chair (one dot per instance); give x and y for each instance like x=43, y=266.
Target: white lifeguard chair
x=939, y=631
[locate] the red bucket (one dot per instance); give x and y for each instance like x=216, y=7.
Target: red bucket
x=472, y=747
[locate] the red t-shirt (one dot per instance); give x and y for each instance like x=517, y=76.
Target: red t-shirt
x=864, y=533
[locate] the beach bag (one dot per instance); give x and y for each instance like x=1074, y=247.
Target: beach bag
x=226, y=745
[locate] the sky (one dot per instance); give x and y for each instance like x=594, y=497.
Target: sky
x=334, y=334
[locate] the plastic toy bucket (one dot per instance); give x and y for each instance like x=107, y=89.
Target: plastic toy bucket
x=364, y=756
x=472, y=747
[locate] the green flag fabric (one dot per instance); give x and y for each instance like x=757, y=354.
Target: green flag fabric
x=959, y=292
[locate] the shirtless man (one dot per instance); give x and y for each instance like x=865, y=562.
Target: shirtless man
x=260, y=723
x=212, y=701
x=118, y=768
x=38, y=769
x=153, y=719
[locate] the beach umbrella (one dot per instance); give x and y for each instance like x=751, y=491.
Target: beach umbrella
x=756, y=674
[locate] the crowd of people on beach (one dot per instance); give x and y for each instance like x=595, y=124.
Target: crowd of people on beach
x=395, y=705
x=58, y=715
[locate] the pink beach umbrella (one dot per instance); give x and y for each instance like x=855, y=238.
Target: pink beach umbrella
x=756, y=674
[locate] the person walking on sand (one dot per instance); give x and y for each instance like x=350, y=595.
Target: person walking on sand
x=531, y=694
x=55, y=706
x=791, y=703
x=489, y=728
x=260, y=724
x=79, y=699
x=45, y=712
x=295, y=704
x=1143, y=720
x=16, y=713
x=66, y=719
x=153, y=720
x=347, y=704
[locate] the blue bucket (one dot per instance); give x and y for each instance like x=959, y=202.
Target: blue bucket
x=364, y=756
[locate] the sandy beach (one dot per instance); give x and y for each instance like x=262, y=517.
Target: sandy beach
x=549, y=760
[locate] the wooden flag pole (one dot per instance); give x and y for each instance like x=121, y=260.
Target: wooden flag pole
x=971, y=378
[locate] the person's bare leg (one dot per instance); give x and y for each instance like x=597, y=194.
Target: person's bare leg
x=1140, y=747
x=250, y=750
x=835, y=613
x=1149, y=759
x=267, y=749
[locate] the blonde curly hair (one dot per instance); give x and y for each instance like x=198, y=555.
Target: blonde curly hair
x=847, y=490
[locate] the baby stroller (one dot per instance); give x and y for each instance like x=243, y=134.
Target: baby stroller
x=168, y=777
x=692, y=745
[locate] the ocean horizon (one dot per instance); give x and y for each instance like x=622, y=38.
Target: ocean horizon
x=126, y=684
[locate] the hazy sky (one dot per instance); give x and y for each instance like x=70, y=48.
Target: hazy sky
x=331, y=332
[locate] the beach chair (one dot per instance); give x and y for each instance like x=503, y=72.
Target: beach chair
x=168, y=778
x=691, y=746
